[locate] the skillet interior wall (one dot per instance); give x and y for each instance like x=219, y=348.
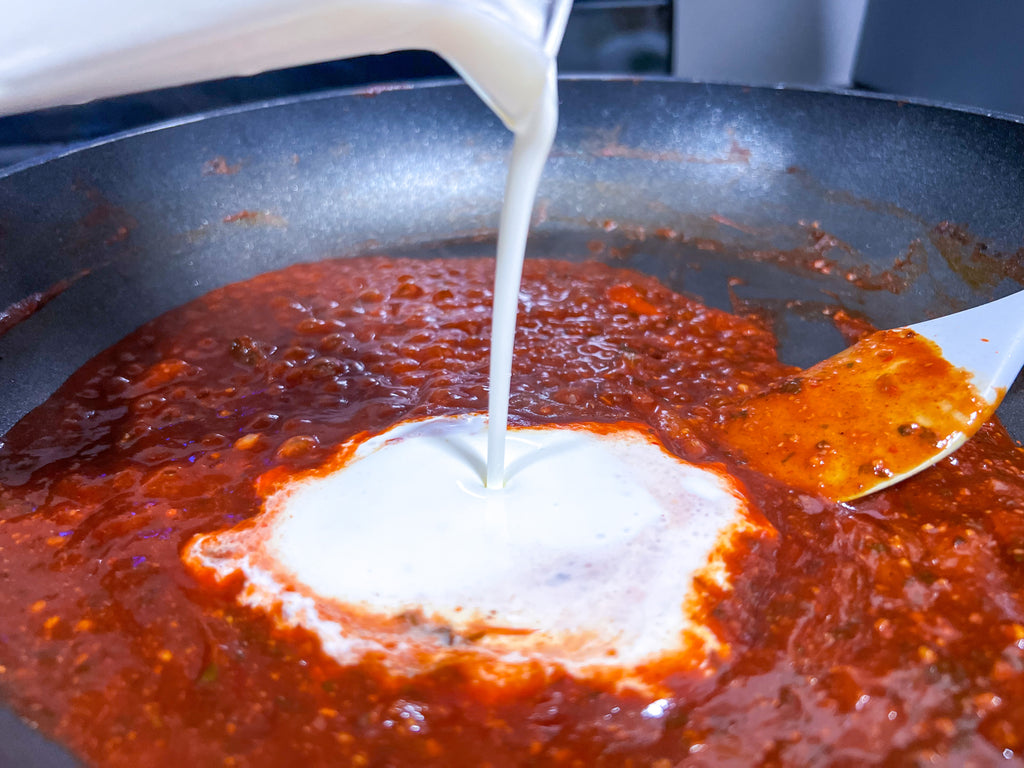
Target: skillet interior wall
x=689, y=182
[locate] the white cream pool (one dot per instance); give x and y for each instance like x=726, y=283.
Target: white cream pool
x=585, y=560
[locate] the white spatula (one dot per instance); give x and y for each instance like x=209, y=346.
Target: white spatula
x=886, y=408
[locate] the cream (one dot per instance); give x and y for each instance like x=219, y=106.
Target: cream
x=586, y=559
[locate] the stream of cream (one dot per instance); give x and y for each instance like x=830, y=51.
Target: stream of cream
x=587, y=557
x=529, y=153
x=63, y=51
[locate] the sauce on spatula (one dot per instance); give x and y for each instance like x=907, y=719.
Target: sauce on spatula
x=860, y=420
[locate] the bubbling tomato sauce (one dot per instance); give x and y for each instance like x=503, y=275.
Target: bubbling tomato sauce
x=889, y=631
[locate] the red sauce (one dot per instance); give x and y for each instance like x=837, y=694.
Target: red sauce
x=885, y=632
x=860, y=419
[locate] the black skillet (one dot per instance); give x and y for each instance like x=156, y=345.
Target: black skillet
x=892, y=210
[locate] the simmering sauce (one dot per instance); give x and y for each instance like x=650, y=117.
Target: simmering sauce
x=889, y=631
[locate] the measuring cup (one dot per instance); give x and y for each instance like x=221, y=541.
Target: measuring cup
x=55, y=52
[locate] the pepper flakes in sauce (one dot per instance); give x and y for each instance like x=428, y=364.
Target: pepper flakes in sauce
x=884, y=632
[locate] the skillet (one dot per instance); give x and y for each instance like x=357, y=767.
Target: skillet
x=895, y=211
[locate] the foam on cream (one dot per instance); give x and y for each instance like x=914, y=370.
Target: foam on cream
x=585, y=559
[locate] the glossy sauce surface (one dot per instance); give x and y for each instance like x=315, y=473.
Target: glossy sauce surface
x=860, y=419
x=885, y=632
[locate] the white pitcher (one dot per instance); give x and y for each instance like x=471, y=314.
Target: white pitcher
x=55, y=52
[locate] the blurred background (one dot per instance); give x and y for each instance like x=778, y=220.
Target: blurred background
x=962, y=53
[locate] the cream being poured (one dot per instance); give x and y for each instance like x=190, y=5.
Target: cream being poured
x=581, y=551
x=64, y=51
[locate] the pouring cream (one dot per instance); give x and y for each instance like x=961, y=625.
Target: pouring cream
x=586, y=559
x=68, y=52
